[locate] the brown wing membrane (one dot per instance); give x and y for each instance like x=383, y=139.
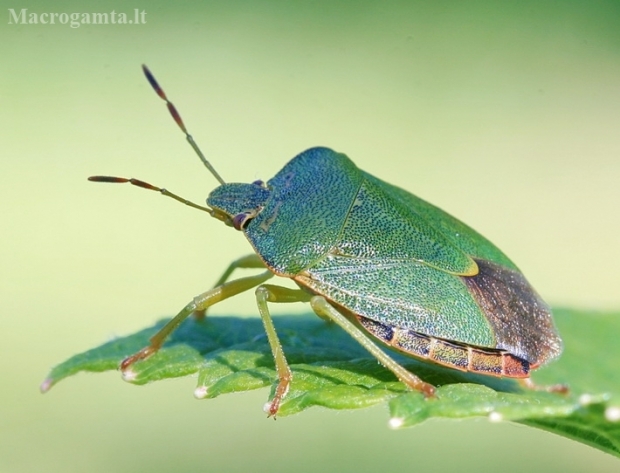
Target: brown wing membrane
x=521, y=321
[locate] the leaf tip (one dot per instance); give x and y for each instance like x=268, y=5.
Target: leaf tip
x=585, y=399
x=129, y=375
x=612, y=413
x=46, y=385
x=200, y=392
x=396, y=422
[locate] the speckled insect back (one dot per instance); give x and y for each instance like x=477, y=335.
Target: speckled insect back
x=396, y=270
x=378, y=261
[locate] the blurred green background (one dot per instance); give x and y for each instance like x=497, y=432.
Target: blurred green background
x=505, y=114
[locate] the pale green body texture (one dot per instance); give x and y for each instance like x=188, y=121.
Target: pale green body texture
x=378, y=251
x=377, y=261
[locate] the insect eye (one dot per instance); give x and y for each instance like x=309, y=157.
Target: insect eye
x=259, y=183
x=240, y=221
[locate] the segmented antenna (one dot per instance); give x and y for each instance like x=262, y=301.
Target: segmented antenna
x=146, y=185
x=177, y=118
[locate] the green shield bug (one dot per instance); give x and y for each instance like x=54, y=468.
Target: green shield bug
x=378, y=261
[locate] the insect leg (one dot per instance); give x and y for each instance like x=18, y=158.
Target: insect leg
x=201, y=302
x=245, y=262
x=323, y=308
x=270, y=293
x=554, y=388
x=250, y=261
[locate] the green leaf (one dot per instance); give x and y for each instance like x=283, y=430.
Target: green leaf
x=231, y=354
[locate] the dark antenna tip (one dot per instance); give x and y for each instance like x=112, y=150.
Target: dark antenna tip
x=146, y=185
x=179, y=121
x=108, y=179
x=153, y=82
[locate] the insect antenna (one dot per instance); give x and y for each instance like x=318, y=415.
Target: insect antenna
x=177, y=118
x=146, y=185
x=179, y=121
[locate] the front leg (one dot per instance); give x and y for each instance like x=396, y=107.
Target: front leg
x=251, y=261
x=199, y=303
x=270, y=293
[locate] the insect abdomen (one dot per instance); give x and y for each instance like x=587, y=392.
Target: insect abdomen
x=460, y=357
